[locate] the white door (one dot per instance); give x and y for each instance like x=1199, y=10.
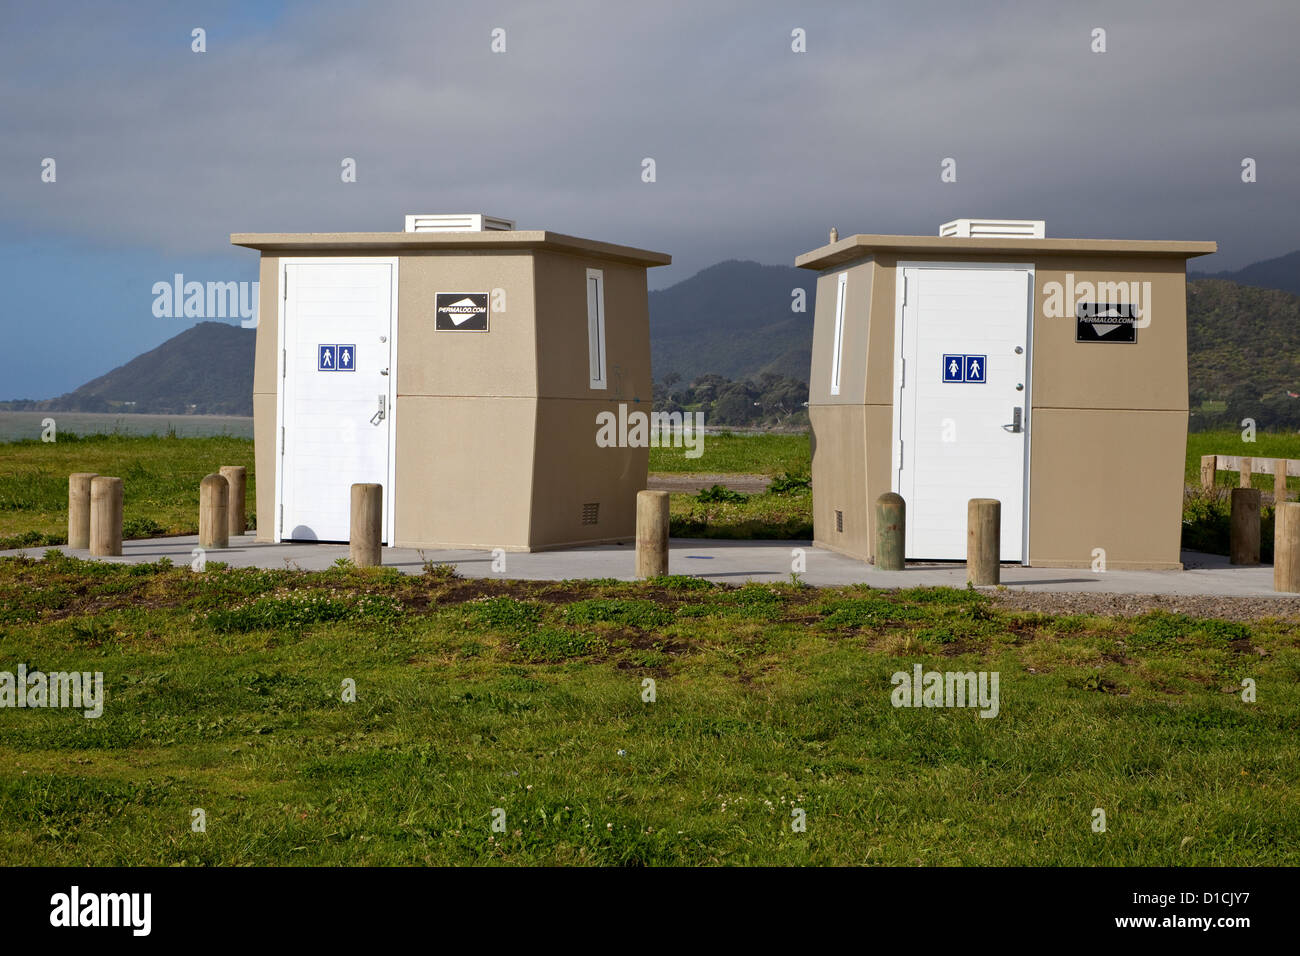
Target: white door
x=961, y=400
x=336, y=397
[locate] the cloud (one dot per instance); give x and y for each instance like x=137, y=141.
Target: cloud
x=758, y=149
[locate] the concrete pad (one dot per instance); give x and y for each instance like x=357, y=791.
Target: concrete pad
x=731, y=562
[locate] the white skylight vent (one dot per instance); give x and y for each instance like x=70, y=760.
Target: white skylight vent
x=994, y=229
x=468, y=222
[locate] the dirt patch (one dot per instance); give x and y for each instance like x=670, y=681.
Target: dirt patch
x=694, y=484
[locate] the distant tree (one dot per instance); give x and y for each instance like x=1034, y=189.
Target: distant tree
x=783, y=397
x=1244, y=393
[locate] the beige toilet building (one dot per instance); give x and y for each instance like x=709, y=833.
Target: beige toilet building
x=461, y=364
x=993, y=362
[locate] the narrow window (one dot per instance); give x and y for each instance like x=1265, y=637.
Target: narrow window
x=596, y=326
x=841, y=285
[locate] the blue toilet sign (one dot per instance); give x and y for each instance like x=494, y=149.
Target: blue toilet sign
x=336, y=358
x=968, y=369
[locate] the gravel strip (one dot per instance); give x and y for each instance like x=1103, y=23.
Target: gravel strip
x=1129, y=605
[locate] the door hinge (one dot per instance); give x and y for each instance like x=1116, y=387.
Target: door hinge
x=902, y=372
x=286, y=285
x=904, y=288
x=282, y=440
x=900, y=456
x=282, y=519
x=284, y=362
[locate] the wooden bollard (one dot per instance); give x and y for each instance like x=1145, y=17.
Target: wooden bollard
x=214, y=526
x=983, y=541
x=367, y=522
x=105, y=516
x=79, y=509
x=1209, y=464
x=1286, y=547
x=1245, y=470
x=236, y=520
x=651, y=534
x=891, y=531
x=1243, y=527
x=1279, y=480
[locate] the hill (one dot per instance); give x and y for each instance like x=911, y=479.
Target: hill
x=1280, y=273
x=1243, y=347
x=733, y=319
x=205, y=370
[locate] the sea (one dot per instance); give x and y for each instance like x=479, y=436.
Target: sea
x=15, y=426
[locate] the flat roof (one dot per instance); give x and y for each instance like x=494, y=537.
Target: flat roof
x=489, y=240
x=861, y=246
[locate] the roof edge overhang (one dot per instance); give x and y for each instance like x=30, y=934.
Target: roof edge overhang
x=857, y=247
x=534, y=240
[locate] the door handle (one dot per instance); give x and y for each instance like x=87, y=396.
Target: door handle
x=378, y=416
x=1015, y=425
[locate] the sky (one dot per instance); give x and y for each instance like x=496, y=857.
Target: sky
x=162, y=152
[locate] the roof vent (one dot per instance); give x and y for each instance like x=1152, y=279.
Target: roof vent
x=993, y=229
x=469, y=222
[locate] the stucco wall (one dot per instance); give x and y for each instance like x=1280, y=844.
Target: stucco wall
x=480, y=459
x=1098, y=411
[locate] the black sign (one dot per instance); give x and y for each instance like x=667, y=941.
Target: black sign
x=1106, y=322
x=461, y=312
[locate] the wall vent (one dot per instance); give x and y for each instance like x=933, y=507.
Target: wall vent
x=994, y=229
x=591, y=512
x=839, y=521
x=468, y=222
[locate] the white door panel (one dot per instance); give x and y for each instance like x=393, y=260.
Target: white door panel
x=950, y=441
x=337, y=340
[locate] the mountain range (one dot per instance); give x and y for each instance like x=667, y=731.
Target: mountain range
x=1280, y=273
x=735, y=319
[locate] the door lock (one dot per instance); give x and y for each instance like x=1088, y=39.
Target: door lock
x=1015, y=425
x=378, y=416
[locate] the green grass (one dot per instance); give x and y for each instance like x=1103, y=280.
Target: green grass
x=160, y=484
x=528, y=697
x=728, y=453
x=162, y=476
x=734, y=515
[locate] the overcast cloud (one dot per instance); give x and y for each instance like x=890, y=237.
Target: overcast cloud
x=162, y=152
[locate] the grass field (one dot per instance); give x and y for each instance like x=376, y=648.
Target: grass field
x=730, y=453
x=162, y=475
x=223, y=693
x=160, y=482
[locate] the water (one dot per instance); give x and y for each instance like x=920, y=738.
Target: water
x=18, y=425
